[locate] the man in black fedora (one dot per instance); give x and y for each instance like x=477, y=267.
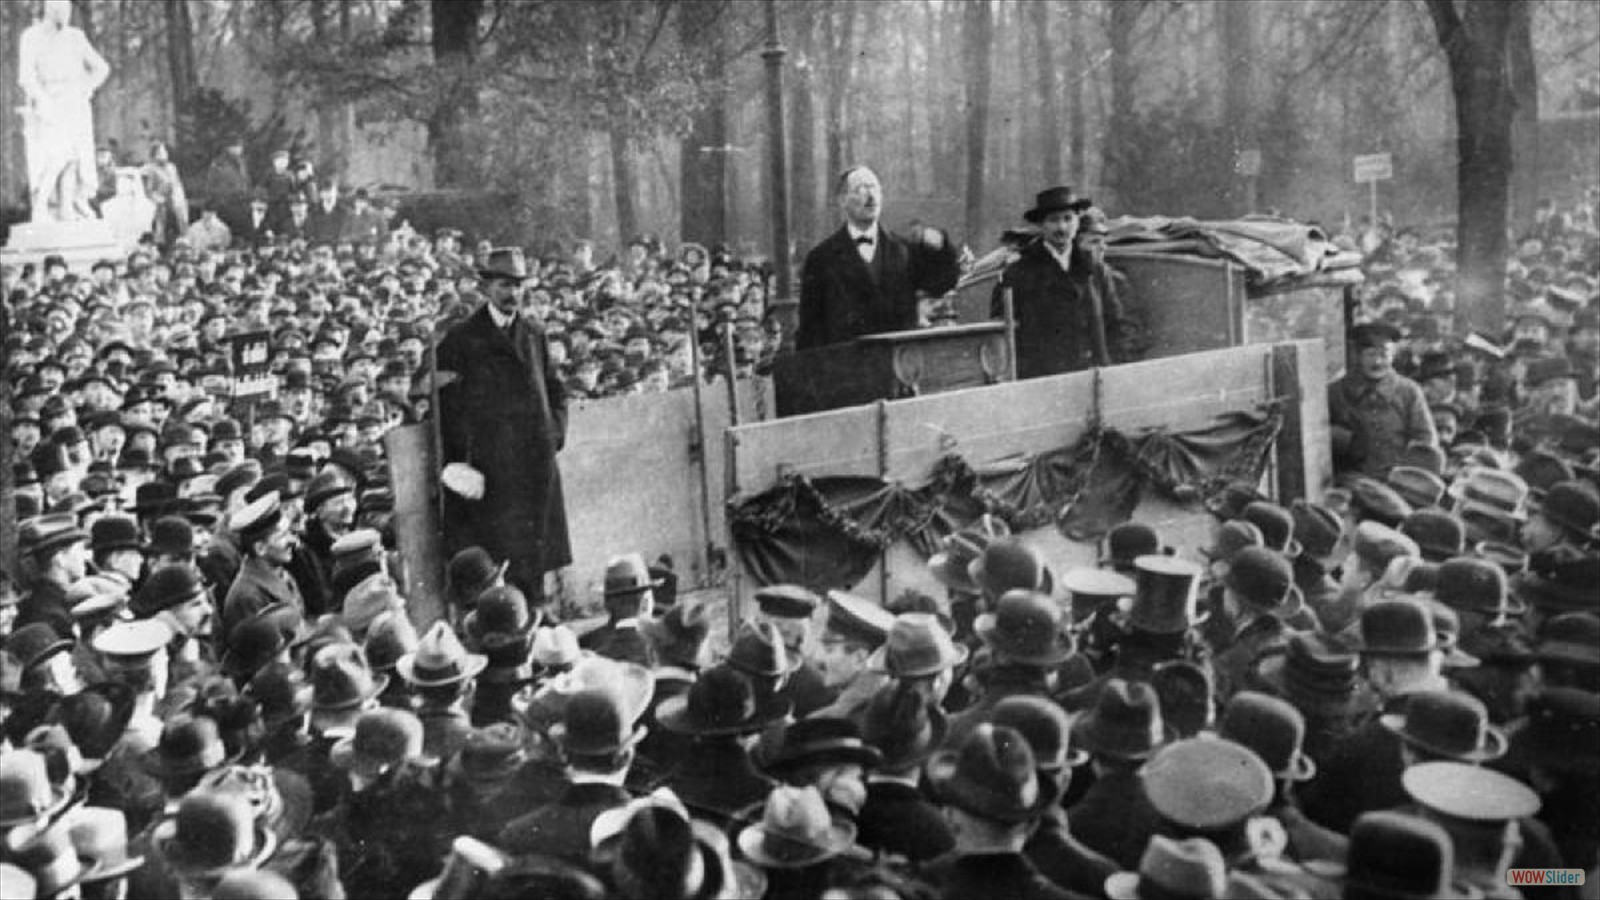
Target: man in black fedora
x=1066, y=307
x=502, y=421
x=864, y=280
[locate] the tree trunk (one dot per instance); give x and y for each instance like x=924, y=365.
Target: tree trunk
x=977, y=49
x=1475, y=39
x=1077, y=126
x=803, y=134
x=622, y=185
x=703, y=159
x=1119, y=173
x=839, y=31
x=332, y=160
x=180, y=55
x=455, y=46
x=347, y=111
x=938, y=143
x=1525, y=120
x=1238, y=58
x=1049, y=128
x=908, y=115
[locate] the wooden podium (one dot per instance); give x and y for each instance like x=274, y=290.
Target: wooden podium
x=891, y=366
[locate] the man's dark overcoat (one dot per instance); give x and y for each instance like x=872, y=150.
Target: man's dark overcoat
x=843, y=297
x=1067, y=321
x=506, y=416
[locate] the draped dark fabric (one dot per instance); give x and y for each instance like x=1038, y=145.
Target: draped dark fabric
x=828, y=532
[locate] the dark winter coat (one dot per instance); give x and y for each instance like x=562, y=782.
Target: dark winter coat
x=842, y=297
x=1066, y=320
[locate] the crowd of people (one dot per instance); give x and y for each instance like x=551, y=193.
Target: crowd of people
x=212, y=683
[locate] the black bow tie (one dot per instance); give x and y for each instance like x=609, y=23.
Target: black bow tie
x=864, y=240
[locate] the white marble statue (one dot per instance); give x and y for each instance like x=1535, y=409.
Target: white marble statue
x=59, y=72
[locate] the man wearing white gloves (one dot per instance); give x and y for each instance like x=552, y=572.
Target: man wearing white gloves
x=503, y=418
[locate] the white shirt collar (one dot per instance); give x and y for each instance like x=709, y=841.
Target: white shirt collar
x=1063, y=258
x=501, y=320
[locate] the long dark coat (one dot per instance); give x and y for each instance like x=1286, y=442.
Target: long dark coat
x=506, y=416
x=1067, y=321
x=842, y=297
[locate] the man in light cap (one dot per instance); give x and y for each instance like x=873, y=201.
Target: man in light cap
x=268, y=543
x=790, y=607
x=856, y=629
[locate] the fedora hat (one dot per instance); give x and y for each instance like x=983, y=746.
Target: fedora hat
x=904, y=726
x=99, y=836
x=1007, y=564
x=282, y=692
x=759, y=651
x=212, y=832
x=627, y=575
x=384, y=738
x=631, y=682
x=1274, y=729
x=505, y=264
x=492, y=753
x=721, y=702
x=1448, y=724
x=1319, y=529
x=1397, y=856
x=1470, y=792
x=597, y=722
x=820, y=740
x=1510, y=557
x=1276, y=524
x=1418, y=487
x=26, y=794
x=1045, y=726
x=440, y=659
x=680, y=636
x=918, y=646
x=1401, y=627
x=46, y=853
x=795, y=831
x=1477, y=585
x=1571, y=639
x=654, y=851
x=556, y=647
x=1191, y=869
x=1207, y=783
x=1439, y=535
x=390, y=636
x=1055, y=199
x=1378, y=502
x=1165, y=602
x=257, y=641
x=1094, y=590
x=1125, y=722
x=992, y=775
x=952, y=565
x=1027, y=628
x=189, y=745
x=341, y=683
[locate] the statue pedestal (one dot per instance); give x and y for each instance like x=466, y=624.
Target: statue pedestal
x=81, y=243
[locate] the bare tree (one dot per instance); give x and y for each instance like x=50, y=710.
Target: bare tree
x=1477, y=41
x=180, y=55
x=1077, y=126
x=977, y=64
x=1049, y=128
x=455, y=47
x=703, y=159
x=838, y=28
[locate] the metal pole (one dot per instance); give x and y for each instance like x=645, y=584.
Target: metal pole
x=1373, y=202
x=700, y=451
x=777, y=155
x=1011, y=334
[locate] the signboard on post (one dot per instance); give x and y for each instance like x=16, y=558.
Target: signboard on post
x=251, y=355
x=1369, y=170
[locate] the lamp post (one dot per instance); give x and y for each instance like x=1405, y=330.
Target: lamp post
x=777, y=156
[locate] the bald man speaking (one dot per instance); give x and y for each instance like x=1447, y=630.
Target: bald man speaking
x=864, y=280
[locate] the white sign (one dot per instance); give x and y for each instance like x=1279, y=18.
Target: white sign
x=1374, y=167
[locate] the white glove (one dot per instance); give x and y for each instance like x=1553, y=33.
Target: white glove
x=463, y=480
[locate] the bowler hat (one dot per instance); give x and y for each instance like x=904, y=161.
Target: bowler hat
x=1055, y=199
x=26, y=793
x=1264, y=580
x=1229, y=501
x=1560, y=581
x=1469, y=792
x=390, y=636
x=213, y=831
x=1572, y=505
x=439, y=659
x=1476, y=585
x=1397, y=856
x=189, y=745
x=1571, y=639
x=502, y=609
x=795, y=831
x=1511, y=559
x=721, y=702
x=904, y=727
x=1027, y=628
x=1276, y=524
x=1008, y=564
x=918, y=646
x=383, y=738
x=257, y=640
x=1398, y=627
x=952, y=565
x=1448, y=724
x=1231, y=537
x=33, y=644
x=1318, y=528
x=1128, y=542
x=596, y=722
x=1439, y=535
x=1378, y=502
x=1165, y=602
x=993, y=775
x=172, y=536
x=328, y=484
x=1125, y=722
x=1045, y=726
x=1274, y=729
x=110, y=533
x=1192, y=869
x=54, y=534
x=96, y=717
x=1376, y=545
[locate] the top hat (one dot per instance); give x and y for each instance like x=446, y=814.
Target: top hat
x=1165, y=602
x=1044, y=724
x=1397, y=856
x=918, y=646
x=384, y=738
x=1191, y=869
x=795, y=831
x=1055, y=199
x=1027, y=628
x=627, y=575
x=854, y=619
x=721, y=702
x=904, y=727
x=1274, y=729
x=1125, y=722
x=992, y=775
x=1007, y=564
x=1469, y=792
x=1448, y=724
x=440, y=659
